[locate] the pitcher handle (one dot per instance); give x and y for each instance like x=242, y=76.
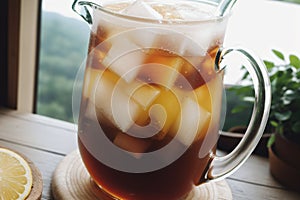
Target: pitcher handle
x=223, y=166
x=83, y=9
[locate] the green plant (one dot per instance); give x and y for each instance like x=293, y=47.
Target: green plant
x=284, y=115
x=291, y=1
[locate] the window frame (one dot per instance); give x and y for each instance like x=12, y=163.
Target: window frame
x=3, y=52
x=18, y=86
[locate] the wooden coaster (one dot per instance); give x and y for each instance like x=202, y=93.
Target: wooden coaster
x=71, y=181
x=37, y=184
x=37, y=180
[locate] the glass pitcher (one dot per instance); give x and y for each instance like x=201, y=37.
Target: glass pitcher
x=151, y=101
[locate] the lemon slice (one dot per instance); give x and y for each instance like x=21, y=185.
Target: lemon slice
x=15, y=176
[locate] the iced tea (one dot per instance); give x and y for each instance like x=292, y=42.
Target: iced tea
x=161, y=91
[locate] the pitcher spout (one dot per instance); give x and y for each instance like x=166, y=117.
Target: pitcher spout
x=84, y=9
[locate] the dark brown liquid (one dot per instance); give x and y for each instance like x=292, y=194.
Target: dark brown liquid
x=171, y=182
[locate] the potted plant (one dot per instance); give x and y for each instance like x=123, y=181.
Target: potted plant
x=284, y=119
x=284, y=144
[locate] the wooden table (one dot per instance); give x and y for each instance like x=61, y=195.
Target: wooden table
x=46, y=141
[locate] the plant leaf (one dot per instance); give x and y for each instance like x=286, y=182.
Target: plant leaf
x=283, y=116
x=271, y=141
x=274, y=124
x=238, y=109
x=278, y=54
x=288, y=97
x=298, y=74
x=294, y=60
x=249, y=99
x=269, y=64
x=296, y=127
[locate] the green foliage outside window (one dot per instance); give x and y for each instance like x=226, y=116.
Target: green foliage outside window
x=63, y=48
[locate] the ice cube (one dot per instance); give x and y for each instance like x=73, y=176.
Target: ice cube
x=135, y=146
x=191, y=77
x=161, y=69
x=142, y=93
x=207, y=67
x=124, y=58
x=204, y=97
x=125, y=110
x=102, y=93
x=141, y=9
x=149, y=125
x=144, y=37
x=165, y=39
x=166, y=114
x=200, y=70
x=169, y=12
x=159, y=116
x=178, y=43
x=206, y=37
x=90, y=81
x=215, y=88
x=114, y=104
x=191, y=122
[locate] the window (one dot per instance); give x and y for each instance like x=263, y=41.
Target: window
x=63, y=47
